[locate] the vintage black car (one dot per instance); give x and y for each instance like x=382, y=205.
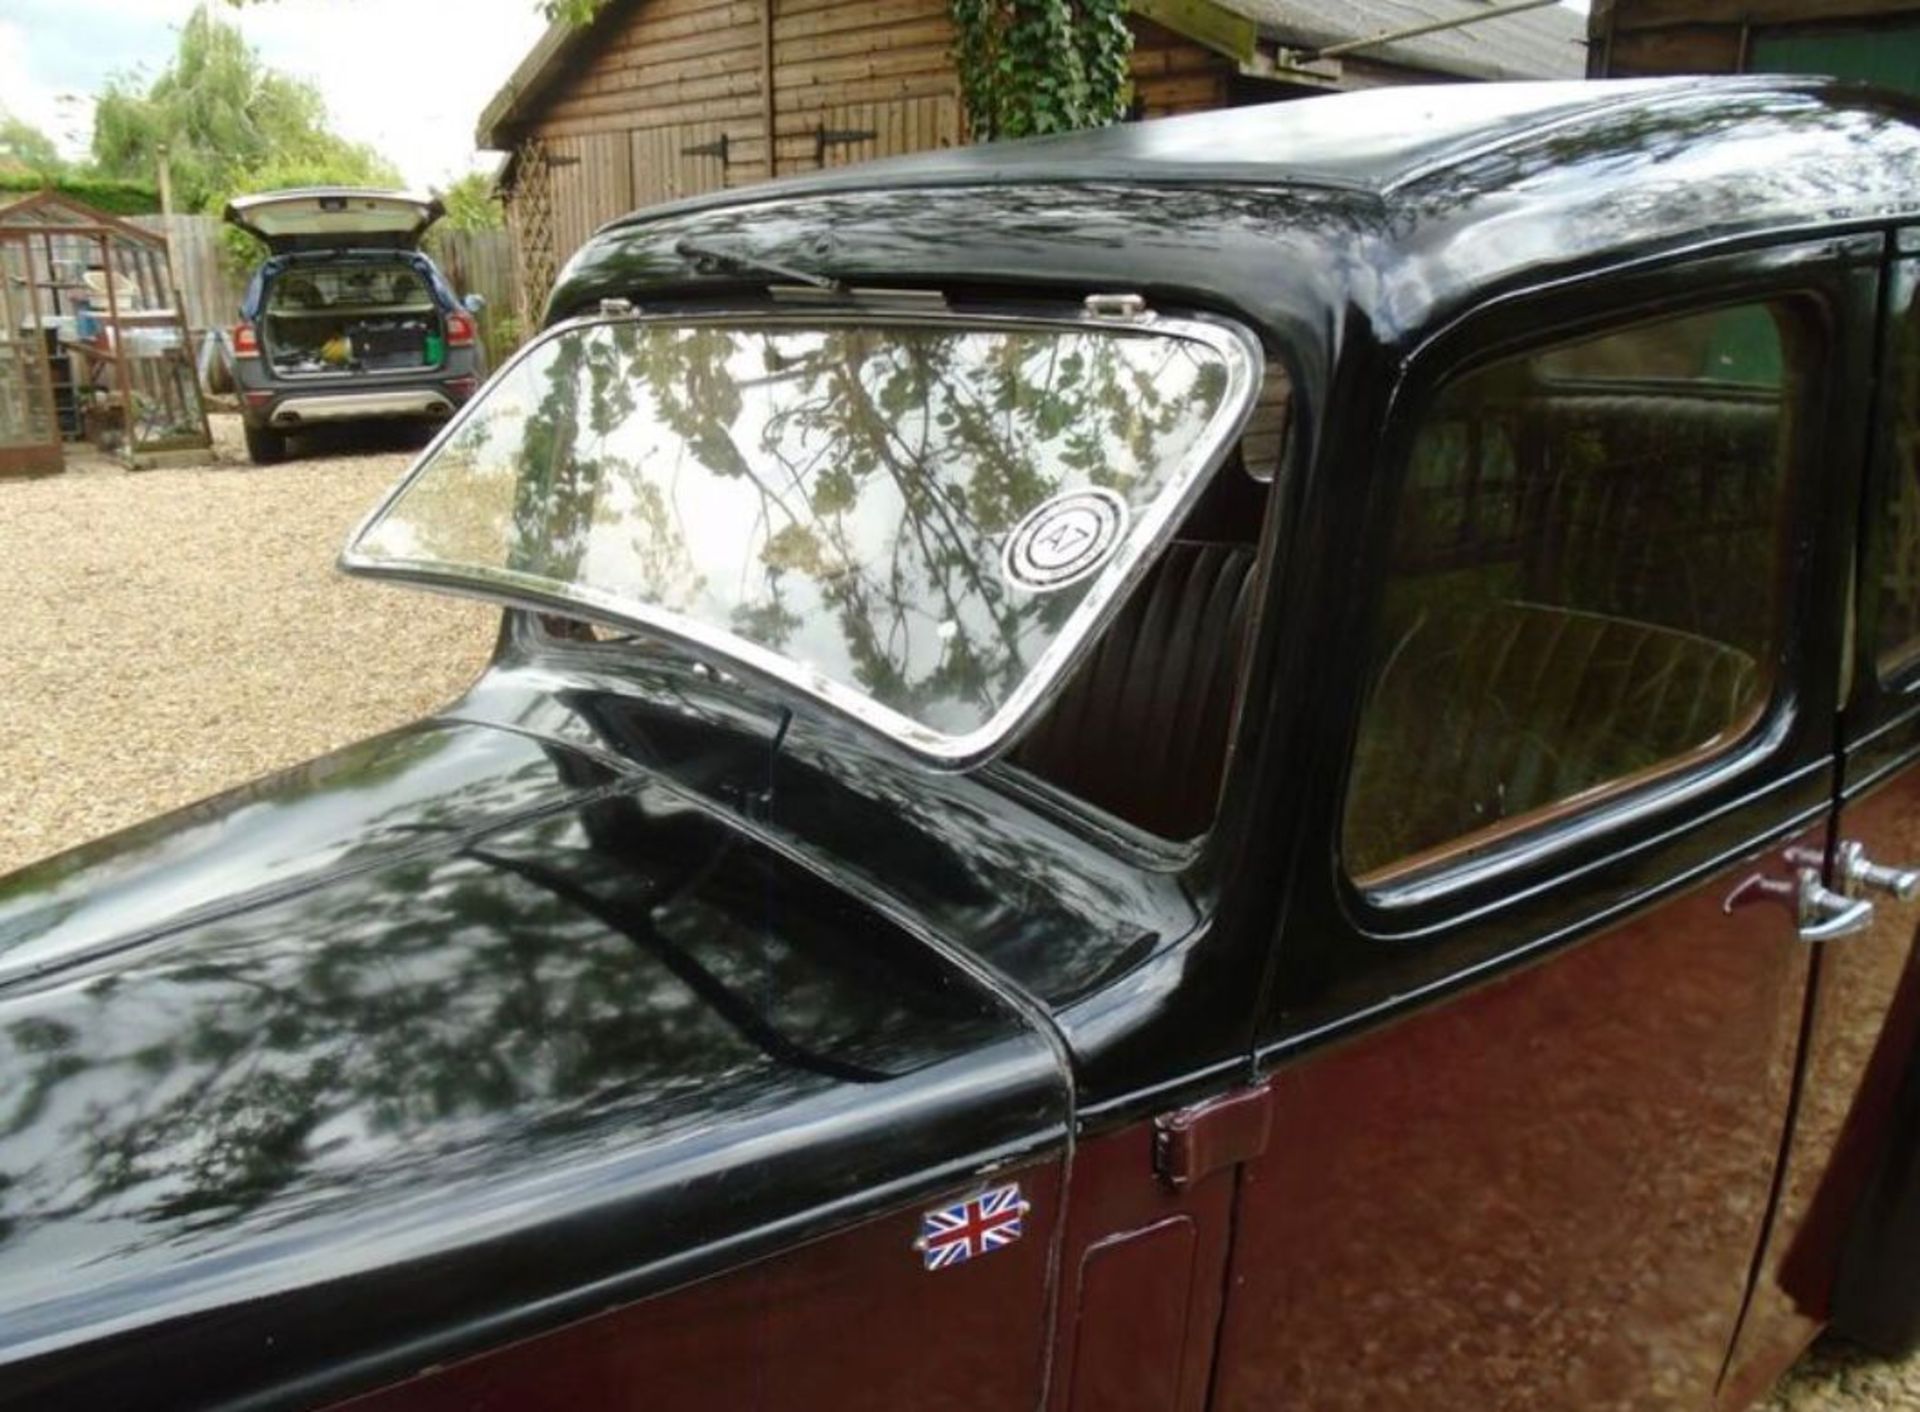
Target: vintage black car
x=1266, y=760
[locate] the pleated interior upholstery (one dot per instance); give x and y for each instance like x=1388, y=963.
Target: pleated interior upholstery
x=1141, y=729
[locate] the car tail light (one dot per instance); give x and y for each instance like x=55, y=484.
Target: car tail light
x=246, y=344
x=462, y=387
x=459, y=331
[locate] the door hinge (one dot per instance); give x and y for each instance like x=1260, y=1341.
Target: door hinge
x=715, y=148
x=1208, y=1137
x=825, y=137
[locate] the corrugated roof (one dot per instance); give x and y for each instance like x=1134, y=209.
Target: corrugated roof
x=1544, y=43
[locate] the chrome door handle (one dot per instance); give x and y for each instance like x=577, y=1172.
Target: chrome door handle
x=1826, y=914
x=1820, y=913
x=1859, y=873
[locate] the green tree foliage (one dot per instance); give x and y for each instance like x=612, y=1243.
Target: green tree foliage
x=26, y=149
x=471, y=204
x=227, y=120
x=573, y=12
x=1029, y=67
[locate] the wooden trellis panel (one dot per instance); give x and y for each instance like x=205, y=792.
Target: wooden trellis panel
x=530, y=221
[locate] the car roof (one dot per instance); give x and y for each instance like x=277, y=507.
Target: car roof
x=1373, y=141
x=1417, y=197
x=1362, y=141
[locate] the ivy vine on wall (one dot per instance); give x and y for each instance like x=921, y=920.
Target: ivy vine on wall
x=1036, y=66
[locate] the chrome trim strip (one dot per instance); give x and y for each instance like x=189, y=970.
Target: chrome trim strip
x=1239, y=351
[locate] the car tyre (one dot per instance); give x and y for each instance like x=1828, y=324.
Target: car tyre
x=265, y=446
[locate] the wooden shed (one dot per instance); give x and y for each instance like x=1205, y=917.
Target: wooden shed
x=1875, y=40
x=658, y=99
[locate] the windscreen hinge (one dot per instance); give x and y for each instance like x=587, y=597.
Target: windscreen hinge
x=1222, y=1132
x=1126, y=308
x=616, y=308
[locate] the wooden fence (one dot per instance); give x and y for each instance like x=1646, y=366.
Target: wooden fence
x=474, y=262
x=481, y=262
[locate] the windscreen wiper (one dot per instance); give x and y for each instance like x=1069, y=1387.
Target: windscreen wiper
x=711, y=258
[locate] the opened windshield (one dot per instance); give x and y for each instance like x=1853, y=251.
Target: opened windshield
x=916, y=522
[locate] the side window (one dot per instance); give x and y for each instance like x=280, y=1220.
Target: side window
x=1585, y=580
x=1896, y=525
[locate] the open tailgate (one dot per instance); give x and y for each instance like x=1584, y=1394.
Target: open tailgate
x=321, y=218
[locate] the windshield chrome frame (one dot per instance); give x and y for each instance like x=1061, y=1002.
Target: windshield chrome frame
x=1239, y=350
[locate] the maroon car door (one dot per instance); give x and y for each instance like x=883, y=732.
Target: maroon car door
x=1536, y=1003
x=1865, y=1000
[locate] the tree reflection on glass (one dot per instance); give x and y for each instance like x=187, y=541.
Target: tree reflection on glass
x=834, y=494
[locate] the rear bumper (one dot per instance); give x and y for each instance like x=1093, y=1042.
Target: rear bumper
x=307, y=409
x=288, y=412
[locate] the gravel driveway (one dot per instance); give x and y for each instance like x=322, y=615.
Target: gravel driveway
x=173, y=633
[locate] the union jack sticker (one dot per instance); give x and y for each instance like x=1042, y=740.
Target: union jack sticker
x=953, y=1235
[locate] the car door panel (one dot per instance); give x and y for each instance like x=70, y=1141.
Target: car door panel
x=1865, y=1010
x=1863, y=1018
x=1544, y=1192
x=1531, y=1088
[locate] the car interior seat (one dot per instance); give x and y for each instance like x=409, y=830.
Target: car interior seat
x=1141, y=728
x=1489, y=711
x=1562, y=619
x=298, y=292
x=1624, y=477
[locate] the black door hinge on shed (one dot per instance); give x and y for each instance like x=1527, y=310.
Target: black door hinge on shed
x=826, y=137
x=715, y=148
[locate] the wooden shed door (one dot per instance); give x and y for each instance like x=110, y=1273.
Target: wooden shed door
x=681, y=159
x=590, y=180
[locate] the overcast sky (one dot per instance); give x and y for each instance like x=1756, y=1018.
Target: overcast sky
x=408, y=76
